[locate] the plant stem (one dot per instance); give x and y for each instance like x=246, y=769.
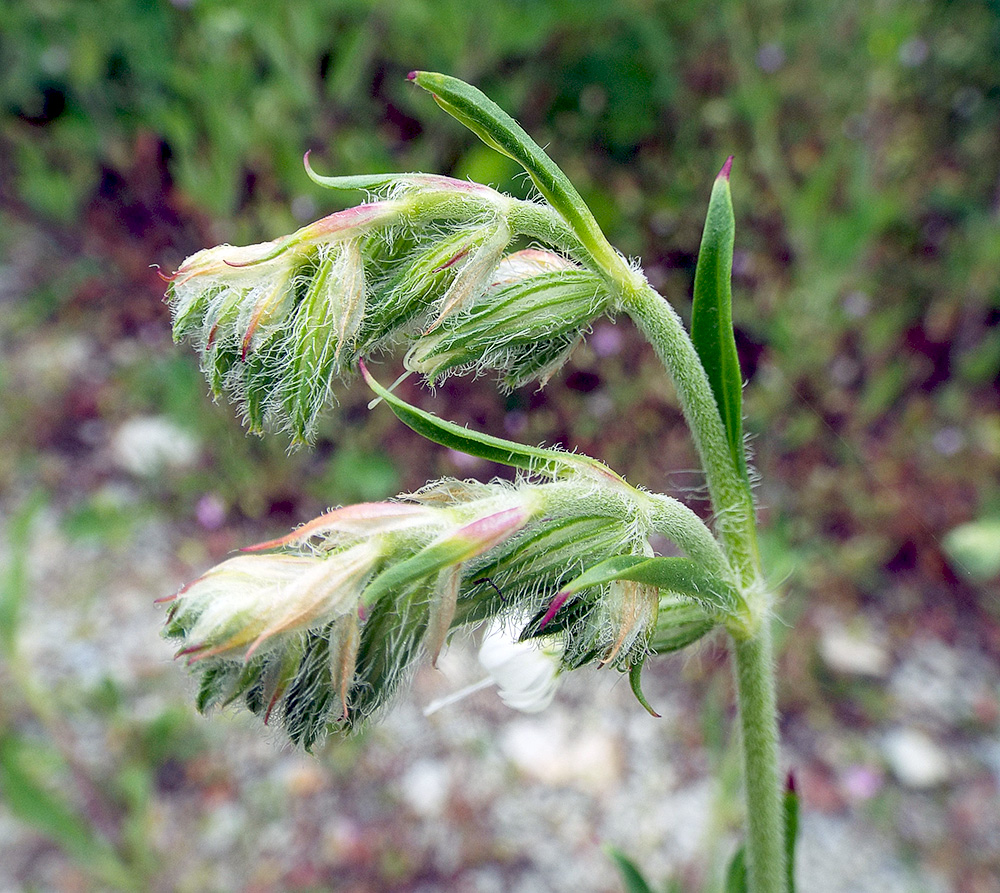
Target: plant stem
x=765, y=848
x=731, y=497
x=732, y=502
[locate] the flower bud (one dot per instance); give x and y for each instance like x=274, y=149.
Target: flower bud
x=238, y=606
x=630, y=611
x=525, y=324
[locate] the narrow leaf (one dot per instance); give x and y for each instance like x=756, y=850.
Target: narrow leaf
x=736, y=875
x=712, y=314
x=14, y=581
x=38, y=805
x=501, y=132
x=635, y=681
x=791, y=804
x=631, y=875
x=680, y=575
x=485, y=446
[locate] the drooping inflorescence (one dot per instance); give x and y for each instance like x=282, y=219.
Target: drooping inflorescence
x=431, y=266
x=319, y=629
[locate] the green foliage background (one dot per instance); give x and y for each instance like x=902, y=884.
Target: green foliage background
x=866, y=289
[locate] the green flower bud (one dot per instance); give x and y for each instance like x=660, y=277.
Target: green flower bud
x=524, y=325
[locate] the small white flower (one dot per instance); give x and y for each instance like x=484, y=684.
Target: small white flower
x=526, y=673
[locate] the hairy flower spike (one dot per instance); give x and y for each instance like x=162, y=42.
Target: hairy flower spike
x=424, y=264
x=320, y=633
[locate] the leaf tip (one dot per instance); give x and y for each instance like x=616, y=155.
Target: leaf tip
x=726, y=168
x=412, y=76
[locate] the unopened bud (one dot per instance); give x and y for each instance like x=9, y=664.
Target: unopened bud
x=524, y=325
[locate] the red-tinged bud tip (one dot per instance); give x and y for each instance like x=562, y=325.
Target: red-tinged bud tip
x=557, y=603
x=726, y=168
x=412, y=76
x=790, y=787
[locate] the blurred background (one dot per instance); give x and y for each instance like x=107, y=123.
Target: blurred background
x=867, y=303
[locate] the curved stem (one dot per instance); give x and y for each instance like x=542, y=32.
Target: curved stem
x=731, y=497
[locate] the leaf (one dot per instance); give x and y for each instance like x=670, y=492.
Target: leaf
x=680, y=575
x=44, y=809
x=501, y=132
x=631, y=875
x=712, y=315
x=635, y=681
x=736, y=874
x=485, y=446
x=14, y=582
x=791, y=804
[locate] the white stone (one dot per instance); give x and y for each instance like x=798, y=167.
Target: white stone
x=425, y=787
x=916, y=759
x=853, y=652
x=554, y=752
x=146, y=445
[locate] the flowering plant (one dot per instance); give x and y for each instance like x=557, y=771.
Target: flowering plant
x=319, y=629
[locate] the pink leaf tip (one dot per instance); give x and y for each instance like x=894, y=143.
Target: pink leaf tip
x=412, y=76
x=726, y=168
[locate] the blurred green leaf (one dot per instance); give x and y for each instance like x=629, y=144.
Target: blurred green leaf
x=630, y=874
x=36, y=803
x=975, y=547
x=14, y=581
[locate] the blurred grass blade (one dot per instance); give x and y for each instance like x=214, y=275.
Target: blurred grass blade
x=14, y=581
x=485, y=446
x=37, y=805
x=712, y=314
x=631, y=875
x=500, y=131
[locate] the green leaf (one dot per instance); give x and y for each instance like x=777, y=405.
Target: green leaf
x=37, y=804
x=631, y=875
x=14, y=581
x=791, y=804
x=679, y=575
x=485, y=446
x=736, y=874
x=635, y=681
x=712, y=314
x=500, y=131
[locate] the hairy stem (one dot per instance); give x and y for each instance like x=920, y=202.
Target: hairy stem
x=766, y=869
x=731, y=497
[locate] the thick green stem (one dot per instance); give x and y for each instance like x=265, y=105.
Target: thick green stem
x=731, y=497
x=766, y=869
x=736, y=524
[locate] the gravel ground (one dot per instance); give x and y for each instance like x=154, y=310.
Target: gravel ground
x=477, y=797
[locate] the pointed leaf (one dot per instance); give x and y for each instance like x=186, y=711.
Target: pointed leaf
x=631, y=875
x=680, y=575
x=485, y=446
x=736, y=874
x=501, y=132
x=791, y=804
x=635, y=681
x=712, y=315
